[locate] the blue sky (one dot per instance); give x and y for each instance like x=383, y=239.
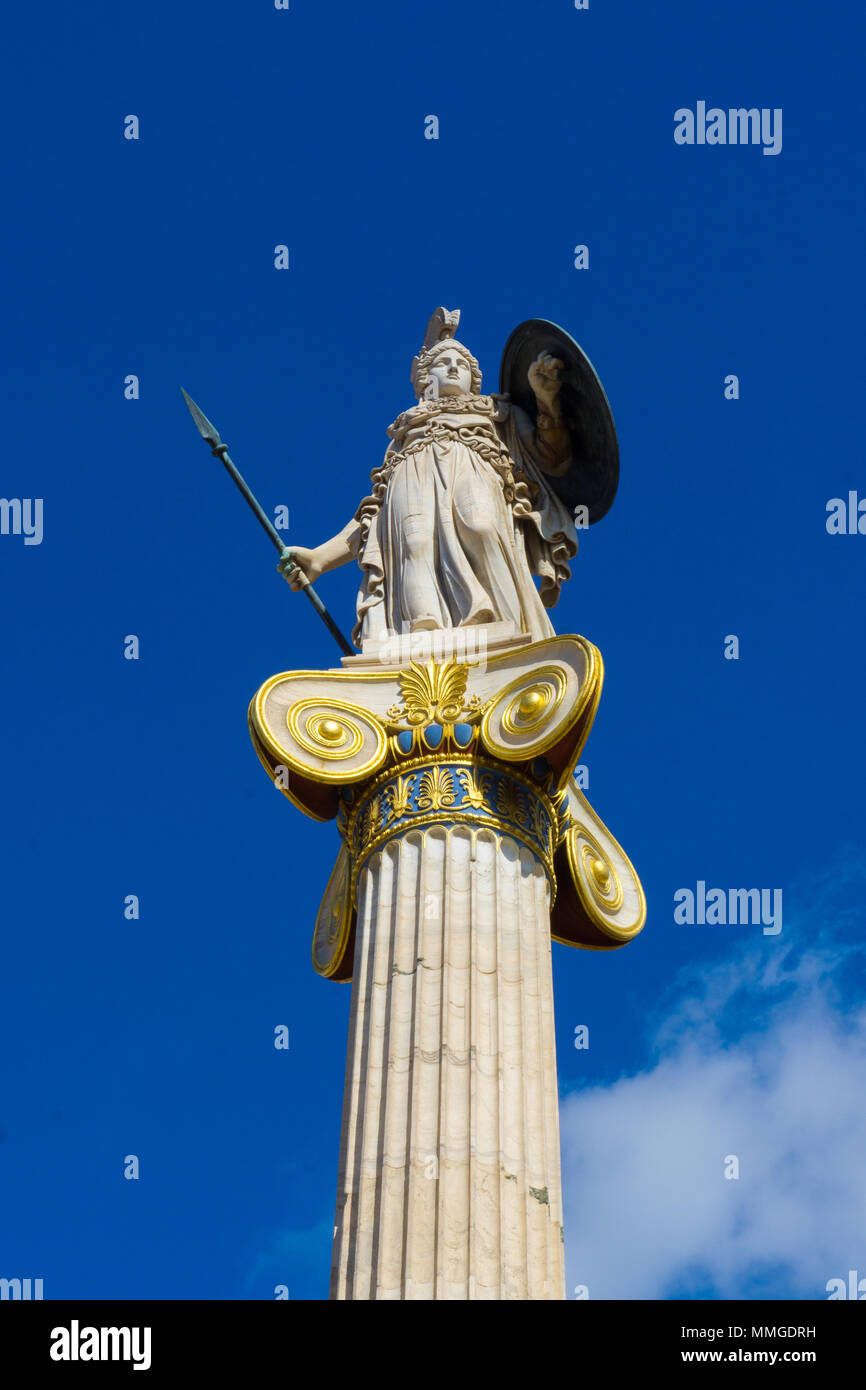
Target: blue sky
x=156, y=257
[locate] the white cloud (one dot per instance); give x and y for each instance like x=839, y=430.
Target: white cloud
x=761, y=1057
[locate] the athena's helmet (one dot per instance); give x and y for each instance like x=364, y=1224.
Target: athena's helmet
x=440, y=334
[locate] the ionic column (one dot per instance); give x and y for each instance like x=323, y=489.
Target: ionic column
x=465, y=847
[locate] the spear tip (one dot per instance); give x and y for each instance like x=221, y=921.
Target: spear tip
x=202, y=423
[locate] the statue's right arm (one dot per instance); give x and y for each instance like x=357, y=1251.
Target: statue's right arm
x=339, y=550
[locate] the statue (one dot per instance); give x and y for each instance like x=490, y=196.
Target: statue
x=461, y=513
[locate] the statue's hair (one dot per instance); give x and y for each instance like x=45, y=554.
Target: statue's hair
x=425, y=359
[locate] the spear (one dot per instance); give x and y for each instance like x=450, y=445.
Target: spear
x=210, y=435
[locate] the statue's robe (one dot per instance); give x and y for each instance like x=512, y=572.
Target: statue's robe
x=461, y=516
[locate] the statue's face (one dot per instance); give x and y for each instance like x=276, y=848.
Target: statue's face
x=453, y=373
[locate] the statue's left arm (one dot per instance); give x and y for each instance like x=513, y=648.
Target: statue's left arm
x=552, y=441
x=542, y=451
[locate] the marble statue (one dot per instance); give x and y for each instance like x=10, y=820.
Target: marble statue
x=461, y=514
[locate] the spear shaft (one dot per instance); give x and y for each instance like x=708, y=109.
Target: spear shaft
x=210, y=435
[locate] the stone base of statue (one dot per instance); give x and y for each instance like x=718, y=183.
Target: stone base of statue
x=466, y=847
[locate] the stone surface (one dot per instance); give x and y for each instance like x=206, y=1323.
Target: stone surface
x=452, y=787
x=449, y=1179
x=461, y=512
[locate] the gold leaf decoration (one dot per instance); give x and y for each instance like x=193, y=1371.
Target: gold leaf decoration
x=540, y=822
x=471, y=789
x=510, y=802
x=436, y=790
x=434, y=693
x=378, y=813
x=398, y=797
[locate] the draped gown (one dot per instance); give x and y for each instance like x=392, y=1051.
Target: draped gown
x=460, y=517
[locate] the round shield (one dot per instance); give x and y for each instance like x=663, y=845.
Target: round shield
x=592, y=479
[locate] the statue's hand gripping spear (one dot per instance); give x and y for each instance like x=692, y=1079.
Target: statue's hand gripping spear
x=286, y=566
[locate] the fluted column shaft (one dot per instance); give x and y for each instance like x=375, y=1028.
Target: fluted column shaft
x=449, y=1178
